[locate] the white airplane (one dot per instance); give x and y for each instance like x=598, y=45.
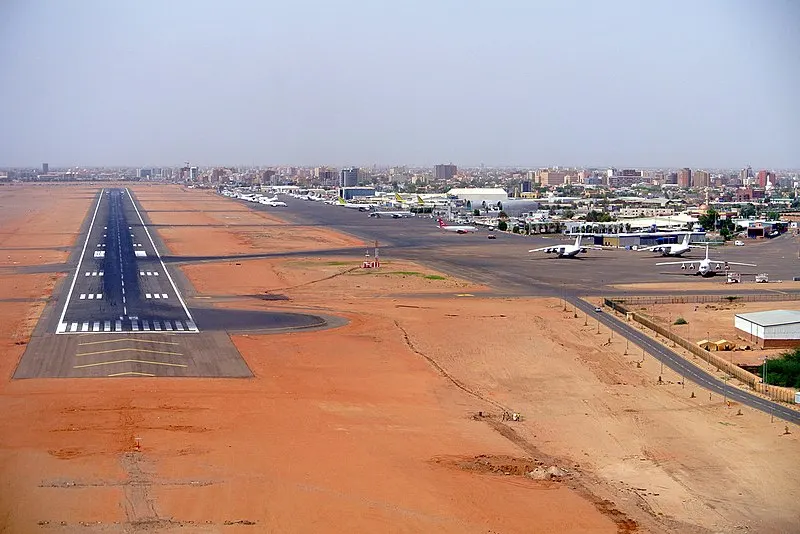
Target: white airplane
x=356, y=206
x=673, y=249
x=392, y=214
x=275, y=204
x=706, y=266
x=456, y=229
x=566, y=250
x=267, y=200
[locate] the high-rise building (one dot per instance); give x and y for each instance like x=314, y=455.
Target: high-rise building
x=193, y=174
x=527, y=186
x=45, y=168
x=701, y=179
x=685, y=177
x=348, y=177
x=444, y=172
x=552, y=177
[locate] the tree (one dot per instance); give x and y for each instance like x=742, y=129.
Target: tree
x=502, y=226
x=476, y=212
x=502, y=215
x=785, y=371
x=747, y=211
x=598, y=216
x=773, y=215
x=709, y=219
x=568, y=214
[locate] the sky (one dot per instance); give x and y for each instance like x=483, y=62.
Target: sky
x=527, y=83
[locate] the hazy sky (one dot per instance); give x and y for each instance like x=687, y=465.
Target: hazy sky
x=712, y=83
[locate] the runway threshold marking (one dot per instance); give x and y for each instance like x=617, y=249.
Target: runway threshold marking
x=110, y=351
x=128, y=339
x=80, y=261
x=131, y=373
x=129, y=361
x=161, y=261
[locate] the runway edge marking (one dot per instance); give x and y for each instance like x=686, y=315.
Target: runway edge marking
x=158, y=255
x=61, y=328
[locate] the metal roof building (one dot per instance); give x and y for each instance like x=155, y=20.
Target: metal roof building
x=769, y=329
x=478, y=195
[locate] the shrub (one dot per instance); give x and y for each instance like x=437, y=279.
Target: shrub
x=680, y=320
x=502, y=226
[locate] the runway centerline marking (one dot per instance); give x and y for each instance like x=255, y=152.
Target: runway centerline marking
x=131, y=373
x=128, y=361
x=148, y=351
x=59, y=328
x=129, y=339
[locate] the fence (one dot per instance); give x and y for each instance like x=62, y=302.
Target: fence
x=774, y=392
x=705, y=299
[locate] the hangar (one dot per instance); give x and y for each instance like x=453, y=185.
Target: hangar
x=769, y=329
x=476, y=196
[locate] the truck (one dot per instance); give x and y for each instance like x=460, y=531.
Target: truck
x=762, y=278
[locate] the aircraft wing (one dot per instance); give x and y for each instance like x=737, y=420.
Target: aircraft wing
x=733, y=263
x=684, y=262
x=545, y=248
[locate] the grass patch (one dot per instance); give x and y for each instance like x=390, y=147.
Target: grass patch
x=338, y=263
x=406, y=273
x=680, y=320
x=417, y=273
x=434, y=277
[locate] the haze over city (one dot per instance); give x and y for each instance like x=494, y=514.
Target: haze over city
x=697, y=84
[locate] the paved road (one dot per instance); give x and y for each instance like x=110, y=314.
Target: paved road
x=679, y=364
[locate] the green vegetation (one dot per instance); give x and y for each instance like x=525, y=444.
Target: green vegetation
x=476, y=212
x=417, y=273
x=681, y=320
x=502, y=226
x=338, y=262
x=598, y=216
x=731, y=298
x=784, y=371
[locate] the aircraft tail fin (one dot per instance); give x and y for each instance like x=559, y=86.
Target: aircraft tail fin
x=441, y=223
x=398, y=197
x=578, y=240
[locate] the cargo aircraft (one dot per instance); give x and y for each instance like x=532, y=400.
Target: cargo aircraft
x=706, y=267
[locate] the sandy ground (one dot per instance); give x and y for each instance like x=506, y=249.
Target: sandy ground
x=389, y=424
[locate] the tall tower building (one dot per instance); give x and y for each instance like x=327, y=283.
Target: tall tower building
x=45, y=168
x=444, y=172
x=348, y=177
x=685, y=177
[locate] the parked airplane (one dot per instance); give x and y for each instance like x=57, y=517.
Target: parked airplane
x=565, y=250
x=673, y=249
x=359, y=207
x=392, y=214
x=456, y=229
x=706, y=266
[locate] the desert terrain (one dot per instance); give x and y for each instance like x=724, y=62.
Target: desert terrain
x=390, y=423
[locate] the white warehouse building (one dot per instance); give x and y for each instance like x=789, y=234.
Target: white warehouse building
x=769, y=329
x=476, y=196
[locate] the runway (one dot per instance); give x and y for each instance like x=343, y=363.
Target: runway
x=121, y=311
x=120, y=283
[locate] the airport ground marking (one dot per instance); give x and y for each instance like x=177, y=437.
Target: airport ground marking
x=80, y=261
x=148, y=351
x=129, y=361
x=129, y=339
x=158, y=255
x=131, y=373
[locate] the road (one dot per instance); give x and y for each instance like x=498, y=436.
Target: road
x=679, y=364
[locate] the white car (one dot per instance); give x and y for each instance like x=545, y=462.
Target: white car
x=738, y=243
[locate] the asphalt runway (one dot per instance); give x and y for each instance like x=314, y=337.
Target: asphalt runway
x=121, y=311
x=506, y=265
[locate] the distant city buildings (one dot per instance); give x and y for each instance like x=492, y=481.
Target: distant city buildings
x=45, y=168
x=444, y=172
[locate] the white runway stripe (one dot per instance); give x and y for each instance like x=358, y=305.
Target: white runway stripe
x=168, y=325
x=163, y=295
x=91, y=296
x=107, y=326
x=118, y=326
x=99, y=296
x=96, y=326
x=73, y=327
x=135, y=325
x=178, y=325
x=147, y=295
x=62, y=327
x=156, y=296
x=83, y=296
x=145, y=326
x=156, y=326
x=141, y=273
x=88, y=273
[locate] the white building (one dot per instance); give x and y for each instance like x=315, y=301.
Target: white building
x=769, y=329
x=478, y=195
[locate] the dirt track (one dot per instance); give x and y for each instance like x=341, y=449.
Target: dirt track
x=354, y=429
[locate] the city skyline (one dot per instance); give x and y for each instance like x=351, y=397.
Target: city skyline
x=662, y=85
